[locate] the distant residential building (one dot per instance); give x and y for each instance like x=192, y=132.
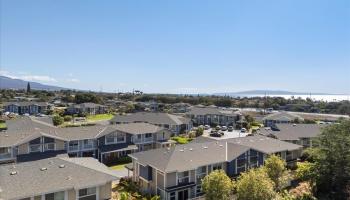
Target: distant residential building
x=202, y=115
x=176, y=172
x=281, y=118
x=30, y=107
x=58, y=178
x=174, y=123
x=302, y=134
x=180, y=107
x=27, y=140
x=87, y=108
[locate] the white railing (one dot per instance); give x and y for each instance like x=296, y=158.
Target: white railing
x=5, y=156
x=35, y=148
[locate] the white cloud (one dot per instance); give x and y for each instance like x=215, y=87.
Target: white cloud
x=28, y=77
x=38, y=78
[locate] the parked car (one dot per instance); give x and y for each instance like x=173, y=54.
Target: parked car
x=221, y=133
x=230, y=128
x=218, y=128
x=224, y=128
x=243, y=130
x=213, y=131
x=215, y=135
x=206, y=127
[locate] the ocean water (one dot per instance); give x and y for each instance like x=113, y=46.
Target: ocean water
x=327, y=98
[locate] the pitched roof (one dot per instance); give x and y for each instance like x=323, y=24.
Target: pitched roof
x=26, y=103
x=60, y=174
x=189, y=156
x=282, y=116
x=25, y=129
x=152, y=118
x=87, y=105
x=200, y=110
x=294, y=131
x=264, y=144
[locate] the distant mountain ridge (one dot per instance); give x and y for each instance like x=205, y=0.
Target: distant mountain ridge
x=267, y=92
x=16, y=84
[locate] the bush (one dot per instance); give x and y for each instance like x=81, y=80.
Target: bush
x=67, y=118
x=57, y=120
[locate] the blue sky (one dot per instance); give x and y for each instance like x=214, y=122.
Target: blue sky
x=184, y=46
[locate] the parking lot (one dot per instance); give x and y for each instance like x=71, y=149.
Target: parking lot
x=227, y=134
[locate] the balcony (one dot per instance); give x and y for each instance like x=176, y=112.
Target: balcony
x=89, y=146
x=49, y=147
x=5, y=156
x=73, y=148
x=35, y=148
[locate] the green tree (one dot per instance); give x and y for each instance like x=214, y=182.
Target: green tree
x=306, y=171
x=199, y=131
x=67, y=118
x=217, y=185
x=57, y=120
x=332, y=163
x=276, y=169
x=255, y=185
x=28, y=87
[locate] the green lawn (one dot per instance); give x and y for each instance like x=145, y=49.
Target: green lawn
x=99, y=117
x=181, y=140
x=117, y=167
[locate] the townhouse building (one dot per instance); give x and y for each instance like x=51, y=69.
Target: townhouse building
x=58, y=178
x=29, y=107
x=210, y=115
x=27, y=140
x=281, y=117
x=87, y=108
x=175, y=173
x=175, y=123
x=302, y=134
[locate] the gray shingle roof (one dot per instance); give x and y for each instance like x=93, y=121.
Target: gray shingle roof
x=25, y=129
x=264, y=144
x=189, y=156
x=30, y=180
x=198, y=110
x=294, y=131
x=26, y=103
x=152, y=118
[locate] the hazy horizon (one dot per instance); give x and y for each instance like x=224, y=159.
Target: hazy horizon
x=183, y=47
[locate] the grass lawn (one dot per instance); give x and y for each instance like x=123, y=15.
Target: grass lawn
x=117, y=167
x=181, y=140
x=2, y=125
x=99, y=117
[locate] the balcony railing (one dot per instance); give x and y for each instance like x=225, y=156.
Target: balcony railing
x=35, y=148
x=5, y=156
x=73, y=148
x=49, y=147
x=89, y=146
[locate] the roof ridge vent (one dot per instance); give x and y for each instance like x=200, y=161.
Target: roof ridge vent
x=62, y=166
x=43, y=169
x=13, y=173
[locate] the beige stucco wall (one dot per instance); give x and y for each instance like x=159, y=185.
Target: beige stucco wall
x=171, y=179
x=71, y=194
x=105, y=191
x=59, y=144
x=23, y=149
x=160, y=180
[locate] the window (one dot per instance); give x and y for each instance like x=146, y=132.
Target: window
x=87, y=194
x=241, y=163
x=172, y=195
x=217, y=166
x=35, y=148
x=55, y=196
x=49, y=146
x=183, y=177
x=148, y=135
x=115, y=138
x=4, y=150
x=88, y=144
x=73, y=145
x=253, y=159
